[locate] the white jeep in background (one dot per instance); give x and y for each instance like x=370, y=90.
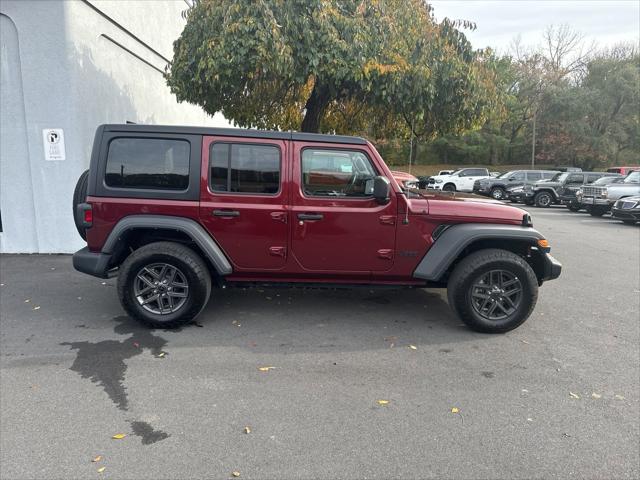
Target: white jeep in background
x=458, y=181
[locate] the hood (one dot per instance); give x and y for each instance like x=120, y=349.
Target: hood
x=466, y=207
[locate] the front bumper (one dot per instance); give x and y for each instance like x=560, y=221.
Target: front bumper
x=552, y=268
x=96, y=264
x=626, y=213
x=595, y=201
x=568, y=199
x=482, y=190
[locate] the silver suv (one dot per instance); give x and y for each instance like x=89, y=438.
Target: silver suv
x=598, y=199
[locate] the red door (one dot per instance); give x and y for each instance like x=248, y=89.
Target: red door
x=336, y=225
x=243, y=200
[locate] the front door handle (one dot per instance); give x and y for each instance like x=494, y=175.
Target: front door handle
x=310, y=216
x=226, y=213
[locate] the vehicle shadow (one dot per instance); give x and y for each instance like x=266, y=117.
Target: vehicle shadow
x=277, y=320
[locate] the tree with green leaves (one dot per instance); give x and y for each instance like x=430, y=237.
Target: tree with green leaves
x=330, y=66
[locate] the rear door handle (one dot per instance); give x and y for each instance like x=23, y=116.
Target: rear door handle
x=226, y=213
x=310, y=216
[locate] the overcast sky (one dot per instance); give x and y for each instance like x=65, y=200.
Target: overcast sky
x=498, y=22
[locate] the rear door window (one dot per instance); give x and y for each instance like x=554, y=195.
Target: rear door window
x=148, y=163
x=575, y=178
x=244, y=168
x=534, y=176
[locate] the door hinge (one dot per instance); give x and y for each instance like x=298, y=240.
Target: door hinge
x=388, y=219
x=277, y=251
x=385, y=253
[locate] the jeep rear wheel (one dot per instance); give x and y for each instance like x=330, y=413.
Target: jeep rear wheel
x=164, y=284
x=493, y=291
x=497, y=193
x=543, y=199
x=449, y=187
x=80, y=196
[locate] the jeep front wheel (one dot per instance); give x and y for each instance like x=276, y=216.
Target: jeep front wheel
x=493, y=291
x=543, y=199
x=164, y=284
x=449, y=187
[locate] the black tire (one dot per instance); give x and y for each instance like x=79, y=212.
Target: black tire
x=449, y=187
x=543, y=199
x=528, y=201
x=629, y=222
x=598, y=211
x=190, y=265
x=497, y=193
x=475, y=266
x=80, y=196
x=574, y=207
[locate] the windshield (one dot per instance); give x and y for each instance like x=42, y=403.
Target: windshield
x=456, y=172
x=633, y=177
x=505, y=175
x=559, y=177
x=602, y=180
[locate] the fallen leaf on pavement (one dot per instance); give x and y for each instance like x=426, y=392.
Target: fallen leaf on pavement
x=247, y=430
x=455, y=410
x=101, y=469
x=618, y=397
x=525, y=342
x=36, y=308
x=265, y=369
x=596, y=395
x=160, y=355
x=413, y=347
x=27, y=301
x=235, y=474
x=97, y=459
x=136, y=344
x=383, y=402
x=573, y=395
x=119, y=436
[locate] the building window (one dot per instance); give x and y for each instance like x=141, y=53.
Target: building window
x=148, y=163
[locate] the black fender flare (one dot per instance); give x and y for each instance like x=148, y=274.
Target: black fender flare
x=550, y=191
x=189, y=227
x=454, y=239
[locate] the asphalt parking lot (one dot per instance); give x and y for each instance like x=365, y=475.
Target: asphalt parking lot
x=557, y=398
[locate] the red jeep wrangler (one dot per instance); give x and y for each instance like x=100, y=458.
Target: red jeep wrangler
x=173, y=210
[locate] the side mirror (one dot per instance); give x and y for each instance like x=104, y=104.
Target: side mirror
x=381, y=190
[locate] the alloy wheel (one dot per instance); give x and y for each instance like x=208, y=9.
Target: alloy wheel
x=496, y=294
x=161, y=288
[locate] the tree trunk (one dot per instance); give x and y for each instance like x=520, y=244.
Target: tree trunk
x=414, y=151
x=315, y=107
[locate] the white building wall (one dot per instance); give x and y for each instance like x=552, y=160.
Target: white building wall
x=74, y=65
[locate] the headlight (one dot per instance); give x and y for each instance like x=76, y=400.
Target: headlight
x=528, y=188
x=603, y=193
x=438, y=180
x=411, y=184
x=515, y=189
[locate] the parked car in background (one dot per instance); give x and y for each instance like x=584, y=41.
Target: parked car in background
x=602, y=198
x=561, y=188
x=461, y=180
x=584, y=200
x=567, y=169
x=627, y=209
x=624, y=170
x=424, y=180
x=516, y=194
x=497, y=187
x=405, y=179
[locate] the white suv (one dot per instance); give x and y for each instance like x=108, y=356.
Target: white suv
x=460, y=180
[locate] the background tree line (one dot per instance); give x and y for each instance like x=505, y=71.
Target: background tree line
x=387, y=70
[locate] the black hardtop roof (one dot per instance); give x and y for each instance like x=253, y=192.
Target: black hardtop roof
x=234, y=132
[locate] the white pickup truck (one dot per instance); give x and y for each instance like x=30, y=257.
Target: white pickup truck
x=460, y=180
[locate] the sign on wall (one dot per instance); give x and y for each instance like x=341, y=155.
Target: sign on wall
x=53, y=140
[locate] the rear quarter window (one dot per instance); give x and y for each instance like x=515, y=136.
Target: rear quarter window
x=148, y=163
